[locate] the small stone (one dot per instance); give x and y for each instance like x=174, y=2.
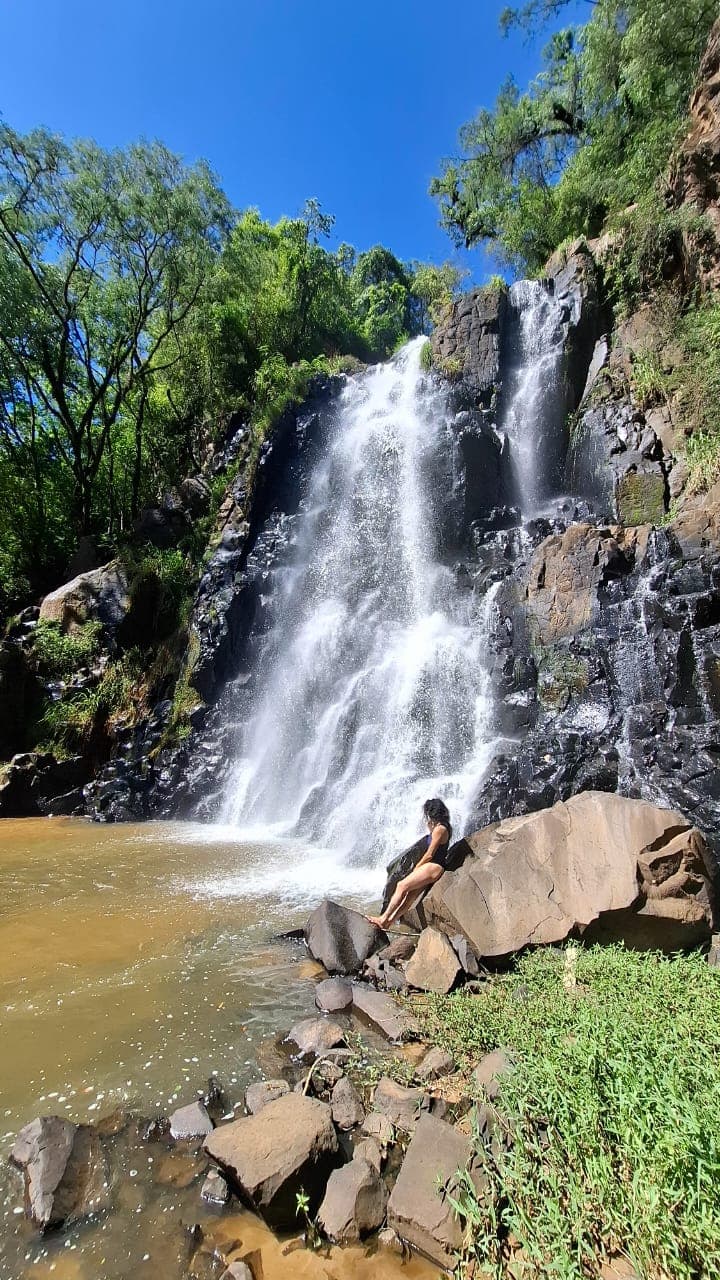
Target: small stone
x=237, y=1271
x=382, y=1011
x=390, y=1240
x=399, y=949
x=333, y=995
x=488, y=1071
x=377, y=1126
x=215, y=1189
x=438, y=1062
x=714, y=952
x=258, y=1095
x=347, y=1109
x=434, y=965
x=65, y=1171
x=465, y=955
x=317, y=1035
x=191, y=1121
x=369, y=1150
x=401, y=1105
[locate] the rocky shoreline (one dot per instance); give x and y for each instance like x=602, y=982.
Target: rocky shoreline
x=360, y=1133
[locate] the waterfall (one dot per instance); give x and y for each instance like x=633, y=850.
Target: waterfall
x=372, y=679
x=533, y=410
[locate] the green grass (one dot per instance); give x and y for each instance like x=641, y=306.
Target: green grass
x=59, y=654
x=612, y=1113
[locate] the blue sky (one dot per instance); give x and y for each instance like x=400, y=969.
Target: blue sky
x=353, y=103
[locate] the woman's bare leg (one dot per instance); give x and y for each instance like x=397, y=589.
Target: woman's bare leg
x=409, y=888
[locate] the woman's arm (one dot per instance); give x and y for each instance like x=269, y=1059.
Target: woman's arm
x=435, y=843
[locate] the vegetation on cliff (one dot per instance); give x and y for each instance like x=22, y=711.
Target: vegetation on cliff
x=589, y=136
x=609, y=1120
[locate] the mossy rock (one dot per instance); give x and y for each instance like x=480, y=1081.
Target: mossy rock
x=640, y=497
x=561, y=677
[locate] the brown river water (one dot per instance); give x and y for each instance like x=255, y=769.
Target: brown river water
x=137, y=961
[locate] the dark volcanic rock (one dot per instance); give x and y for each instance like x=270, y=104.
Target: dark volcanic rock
x=434, y=966
x=354, y=1203
x=290, y=1146
x=65, y=1171
x=382, y=1011
x=333, y=995
x=259, y=1094
x=347, y=1109
x=316, y=1035
x=191, y=1121
x=419, y=1209
x=341, y=939
x=470, y=338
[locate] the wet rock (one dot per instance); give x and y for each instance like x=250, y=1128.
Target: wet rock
x=259, y=1094
x=333, y=995
x=316, y=1035
x=382, y=1011
x=489, y=1071
x=369, y=1150
x=341, y=939
x=100, y=595
x=419, y=1209
x=215, y=1189
x=401, y=1105
x=469, y=340
x=438, y=1062
x=191, y=1121
x=65, y=1171
x=434, y=965
x=612, y=868
x=354, y=1204
x=325, y=1076
x=291, y=1145
x=347, y=1109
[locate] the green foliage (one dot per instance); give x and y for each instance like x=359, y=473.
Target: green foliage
x=59, y=654
x=69, y=725
x=649, y=242
x=647, y=378
x=589, y=136
x=699, y=391
x=426, y=357
x=612, y=1110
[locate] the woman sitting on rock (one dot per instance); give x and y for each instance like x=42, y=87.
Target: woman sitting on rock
x=427, y=869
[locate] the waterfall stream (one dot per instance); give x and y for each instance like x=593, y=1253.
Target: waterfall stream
x=372, y=681
x=373, y=690
x=534, y=399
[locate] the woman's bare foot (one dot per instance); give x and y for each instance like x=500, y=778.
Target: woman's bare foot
x=377, y=921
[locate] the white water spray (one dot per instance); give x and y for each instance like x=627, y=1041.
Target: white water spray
x=373, y=681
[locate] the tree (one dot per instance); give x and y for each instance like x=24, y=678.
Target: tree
x=587, y=137
x=103, y=257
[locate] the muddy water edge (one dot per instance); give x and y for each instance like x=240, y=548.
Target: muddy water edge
x=138, y=963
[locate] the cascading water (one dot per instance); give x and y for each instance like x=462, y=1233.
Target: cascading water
x=373, y=690
x=534, y=401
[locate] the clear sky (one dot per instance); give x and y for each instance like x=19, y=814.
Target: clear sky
x=354, y=103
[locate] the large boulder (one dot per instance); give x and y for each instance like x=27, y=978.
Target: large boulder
x=598, y=865
x=354, y=1203
x=341, y=939
x=419, y=1209
x=99, y=596
x=65, y=1172
x=290, y=1145
x=468, y=341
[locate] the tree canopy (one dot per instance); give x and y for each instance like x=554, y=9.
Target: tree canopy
x=139, y=311
x=587, y=137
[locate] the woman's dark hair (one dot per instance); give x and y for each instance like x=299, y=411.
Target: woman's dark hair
x=437, y=811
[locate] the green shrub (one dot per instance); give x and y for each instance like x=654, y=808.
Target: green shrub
x=59, y=654
x=67, y=726
x=612, y=1110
